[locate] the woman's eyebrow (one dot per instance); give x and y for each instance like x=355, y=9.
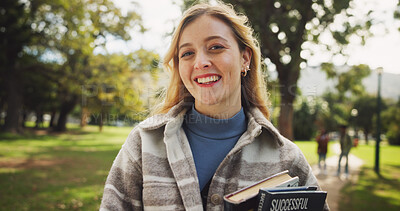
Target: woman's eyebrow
x=184, y=45
x=207, y=39
x=215, y=37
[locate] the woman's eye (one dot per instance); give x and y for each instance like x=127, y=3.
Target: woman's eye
x=216, y=47
x=186, y=54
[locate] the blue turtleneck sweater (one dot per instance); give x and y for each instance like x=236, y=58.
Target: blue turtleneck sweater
x=211, y=140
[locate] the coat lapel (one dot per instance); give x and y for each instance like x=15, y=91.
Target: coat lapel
x=181, y=162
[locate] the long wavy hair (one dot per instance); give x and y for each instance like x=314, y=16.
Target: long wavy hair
x=254, y=93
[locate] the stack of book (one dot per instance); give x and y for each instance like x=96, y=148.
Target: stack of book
x=279, y=192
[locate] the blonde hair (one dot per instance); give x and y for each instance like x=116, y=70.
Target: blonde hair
x=253, y=85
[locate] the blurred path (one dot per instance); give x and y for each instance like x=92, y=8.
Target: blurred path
x=332, y=183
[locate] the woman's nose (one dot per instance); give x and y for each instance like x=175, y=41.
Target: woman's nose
x=202, y=61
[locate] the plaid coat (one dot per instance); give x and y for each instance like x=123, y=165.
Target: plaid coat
x=155, y=170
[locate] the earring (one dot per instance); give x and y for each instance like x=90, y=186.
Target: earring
x=244, y=73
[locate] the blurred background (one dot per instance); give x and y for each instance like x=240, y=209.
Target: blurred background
x=77, y=75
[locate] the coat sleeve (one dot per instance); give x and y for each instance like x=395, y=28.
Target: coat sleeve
x=123, y=188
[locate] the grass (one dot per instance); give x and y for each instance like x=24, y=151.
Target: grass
x=67, y=171
x=372, y=191
x=62, y=171
x=59, y=171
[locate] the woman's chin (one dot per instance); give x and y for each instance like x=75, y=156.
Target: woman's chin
x=207, y=102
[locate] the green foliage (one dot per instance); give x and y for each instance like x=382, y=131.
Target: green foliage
x=283, y=26
x=348, y=81
x=336, y=113
x=48, y=50
x=39, y=83
x=390, y=121
x=351, y=80
x=329, y=69
x=365, y=110
x=145, y=61
x=397, y=12
x=82, y=25
x=188, y=3
x=15, y=32
x=116, y=87
x=303, y=120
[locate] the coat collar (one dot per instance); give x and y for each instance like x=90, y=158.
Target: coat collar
x=160, y=120
x=256, y=120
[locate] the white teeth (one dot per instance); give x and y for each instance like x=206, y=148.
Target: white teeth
x=208, y=79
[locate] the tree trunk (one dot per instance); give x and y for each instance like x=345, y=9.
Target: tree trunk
x=101, y=122
x=84, y=116
x=24, y=117
x=285, y=121
x=66, y=107
x=14, y=103
x=1, y=109
x=288, y=89
x=52, y=119
x=366, y=137
x=39, y=119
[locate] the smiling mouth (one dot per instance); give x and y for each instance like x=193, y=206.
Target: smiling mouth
x=208, y=80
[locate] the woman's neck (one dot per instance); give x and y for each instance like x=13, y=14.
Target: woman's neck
x=218, y=111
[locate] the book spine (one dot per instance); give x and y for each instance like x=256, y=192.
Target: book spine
x=261, y=200
x=250, y=204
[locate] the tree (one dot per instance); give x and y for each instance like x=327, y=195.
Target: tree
x=15, y=33
x=323, y=115
x=88, y=24
x=286, y=27
x=339, y=112
x=304, y=119
x=39, y=87
x=348, y=83
x=117, y=85
x=365, y=107
x=348, y=79
x=390, y=121
x=70, y=30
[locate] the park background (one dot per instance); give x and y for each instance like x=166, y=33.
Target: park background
x=77, y=75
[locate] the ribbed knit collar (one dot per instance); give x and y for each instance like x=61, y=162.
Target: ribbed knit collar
x=218, y=129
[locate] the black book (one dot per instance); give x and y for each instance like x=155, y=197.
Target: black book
x=303, y=198
x=246, y=198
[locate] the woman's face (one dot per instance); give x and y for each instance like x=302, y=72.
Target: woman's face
x=210, y=63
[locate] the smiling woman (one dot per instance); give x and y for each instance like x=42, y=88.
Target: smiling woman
x=211, y=135
x=225, y=48
x=210, y=64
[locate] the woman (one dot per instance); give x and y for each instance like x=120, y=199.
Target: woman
x=211, y=136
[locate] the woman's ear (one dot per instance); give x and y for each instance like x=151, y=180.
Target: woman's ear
x=246, y=55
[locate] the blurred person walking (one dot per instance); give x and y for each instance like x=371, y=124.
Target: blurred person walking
x=345, y=146
x=322, y=140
